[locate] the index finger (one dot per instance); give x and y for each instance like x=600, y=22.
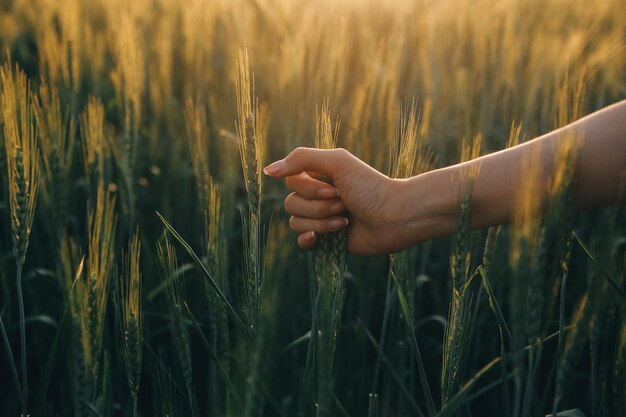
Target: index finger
x=324, y=161
x=310, y=188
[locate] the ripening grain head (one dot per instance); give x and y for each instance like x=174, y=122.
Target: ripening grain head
x=128, y=306
x=21, y=152
x=95, y=289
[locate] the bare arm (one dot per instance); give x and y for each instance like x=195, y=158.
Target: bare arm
x=388, y=215
x=601, y=176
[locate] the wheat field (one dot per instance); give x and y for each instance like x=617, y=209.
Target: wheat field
x=147, y=267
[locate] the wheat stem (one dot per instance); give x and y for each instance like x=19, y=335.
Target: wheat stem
x=20, y=301
x=7, y=345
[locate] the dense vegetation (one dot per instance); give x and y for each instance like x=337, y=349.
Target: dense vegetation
x=147, y=267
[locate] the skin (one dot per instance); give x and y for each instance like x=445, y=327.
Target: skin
x=385, y=215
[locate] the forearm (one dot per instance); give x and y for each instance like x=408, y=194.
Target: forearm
x=600, y=170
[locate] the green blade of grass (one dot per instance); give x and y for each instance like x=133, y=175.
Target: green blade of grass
x=383, y=331
x=462, y=396
x=7, y=346
x=340, y=407
x=164, y=284
x=559, y=349
x=44, y=383
x=502, y=326
x=393, y=372
x=240, y=324
x=310, y=356
x=206, y=344
x=593, y=259
x=304, y=338
x=430, y=404
x=493, y=303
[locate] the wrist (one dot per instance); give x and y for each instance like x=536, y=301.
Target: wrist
x=425, y=206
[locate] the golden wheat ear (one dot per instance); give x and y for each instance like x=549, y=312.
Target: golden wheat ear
x=22, y=157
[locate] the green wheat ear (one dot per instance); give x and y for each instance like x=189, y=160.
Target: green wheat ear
x=329, y=268
x=128, y=305
x=169, y=266
x=459, y=315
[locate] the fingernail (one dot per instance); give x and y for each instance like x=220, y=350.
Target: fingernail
x=337, y=208
x=275, y=168
x=328, y=192
x=338, y=222
x=310, y=237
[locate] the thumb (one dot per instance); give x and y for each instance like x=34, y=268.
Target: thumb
x=322, y=161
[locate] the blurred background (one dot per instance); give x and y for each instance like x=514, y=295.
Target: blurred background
x=112, y=111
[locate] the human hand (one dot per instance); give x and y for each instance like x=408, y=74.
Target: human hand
x=360, y=198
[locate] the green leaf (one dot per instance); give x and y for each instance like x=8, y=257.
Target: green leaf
x=340, y=407
x=7, y=346
x=164, y=284
x=606, y=274
x=206, y=344
x=393, y=372
x=568, y=413
x=430, y=404
x=242, y=327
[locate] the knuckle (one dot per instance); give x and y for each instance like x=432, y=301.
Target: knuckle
x=342, y=152
x=298, y=151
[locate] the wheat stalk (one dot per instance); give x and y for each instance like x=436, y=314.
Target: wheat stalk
x=94, y=289
x=128, y=79
x=457, y=328
x=128, y=305
x=217, y=264
x=94, y=146
x=198, y=143
x=22, y=155
x=329, y=268
x=56, y=136
x=409, y=159
x=250, y=147
x=168, y=263
x=164, y=392
x=23, y=175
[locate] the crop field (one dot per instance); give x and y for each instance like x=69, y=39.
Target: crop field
x=146, y=263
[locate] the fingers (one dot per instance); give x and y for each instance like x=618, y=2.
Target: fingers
x=310, y=188
x=324, y=161
x=314, y=204
x=307, y=240
x=299, y=206
x=323, y=226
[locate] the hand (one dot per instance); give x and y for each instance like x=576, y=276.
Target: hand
x=387, y=215
x=361, y=199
